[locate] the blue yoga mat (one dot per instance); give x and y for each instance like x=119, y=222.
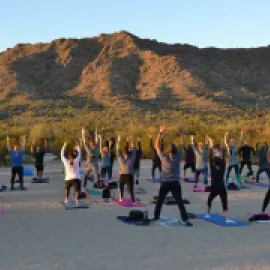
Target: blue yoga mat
x=155, y=180
x=220, y=220
x=28, y=171
x=126, y=220
x=258, y=184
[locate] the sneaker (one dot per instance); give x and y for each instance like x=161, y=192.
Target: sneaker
x=207, y=216
x=22, y=188
x=188, y=224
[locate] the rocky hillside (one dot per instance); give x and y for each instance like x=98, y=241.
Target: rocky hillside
x=121, y=70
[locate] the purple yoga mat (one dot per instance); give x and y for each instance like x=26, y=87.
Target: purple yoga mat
x=129, y=203
x=199, y=188
x=190, y=179
x=1, y=211
x=258, y=213
x=258, y=184
x=155, y=180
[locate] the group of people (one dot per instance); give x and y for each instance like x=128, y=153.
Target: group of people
x=198, y=156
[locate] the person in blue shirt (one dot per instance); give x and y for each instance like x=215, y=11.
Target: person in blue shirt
x=16, y=162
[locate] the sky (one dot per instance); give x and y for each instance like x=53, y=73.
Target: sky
x=202, y=23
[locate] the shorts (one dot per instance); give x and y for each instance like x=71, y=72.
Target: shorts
x=39, y=168
x=92, y=167
x=73, y=182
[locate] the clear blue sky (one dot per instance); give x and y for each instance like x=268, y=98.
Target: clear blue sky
x=204, y=23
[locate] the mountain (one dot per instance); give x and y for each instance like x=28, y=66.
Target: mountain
x=120, y=70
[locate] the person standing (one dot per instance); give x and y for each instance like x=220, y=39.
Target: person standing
x=72, y=171
x=16, y=162
x=170, y=177
x=39, y=153
x=261, y=153
x=201, y=156
x=126, y=162
x=246, y=151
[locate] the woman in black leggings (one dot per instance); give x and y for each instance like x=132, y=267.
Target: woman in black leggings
x=218, y=167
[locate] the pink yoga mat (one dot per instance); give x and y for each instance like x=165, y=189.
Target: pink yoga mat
x=129, y=203
x=199, y=188
x=258, y=213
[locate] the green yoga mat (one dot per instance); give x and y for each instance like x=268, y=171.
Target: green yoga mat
x=94, y=192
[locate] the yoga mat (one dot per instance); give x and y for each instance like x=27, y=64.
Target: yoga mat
x=128, y=203
x=200, y=188
x=94, y=191
x=138, y=223
x=137, y=190
x=154, y=180
x=258, y=213
x=72, y=205
x=28, y=171
x=170, y=222
x=40, y=181
x=258, y=184
x=190, y=179
x=1, y=211
x=220, y=220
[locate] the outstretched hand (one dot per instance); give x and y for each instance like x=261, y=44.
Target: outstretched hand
x=162, y=129
x=118, y=138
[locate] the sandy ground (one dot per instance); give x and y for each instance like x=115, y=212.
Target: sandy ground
x=37, y=233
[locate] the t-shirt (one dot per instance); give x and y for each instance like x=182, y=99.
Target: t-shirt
x=170, y=166
x=92, y=154
x=217, y=174
x=262, y=155
x=16, y=158
x=105, y=161
x=232, y=152
x=126, y=165
x=39, y=157
x=246, y=151
x=189, y=155
x=72, y=171
x=201, y=157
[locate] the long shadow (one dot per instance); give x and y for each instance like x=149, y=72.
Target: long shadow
x=50, y=74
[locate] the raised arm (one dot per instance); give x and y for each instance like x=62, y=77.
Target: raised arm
x=210, y=142
x=96, y=136
x=63, y=152
x=226, y=140
x=157, y=143
x=8, y=144
x=241, y=138
x=100, y=144
x=23, y=142
x=151, y=142
x=32, y=147
x=118, y=145
x=83, y=137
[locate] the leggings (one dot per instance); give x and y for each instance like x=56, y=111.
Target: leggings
x=201, y=171
x=266, y=200
x=249, y=165
x=223, y=196
x=236, y=169
x=175, y=188
x=262, y=169
x=14, y=171
x=155, y=165
x=126, y=179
